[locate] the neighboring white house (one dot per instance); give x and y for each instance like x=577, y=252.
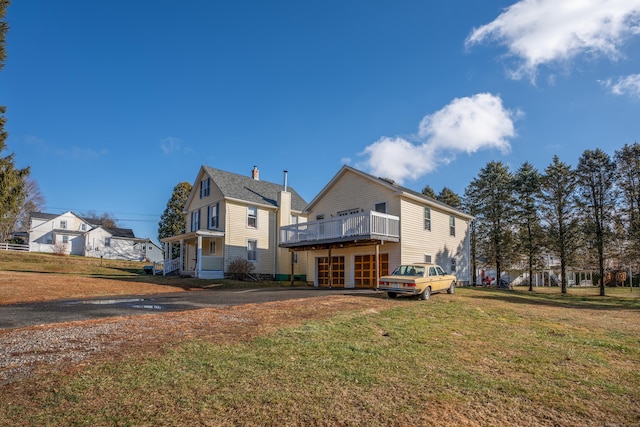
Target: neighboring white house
x=361, y=227
x=72, y=234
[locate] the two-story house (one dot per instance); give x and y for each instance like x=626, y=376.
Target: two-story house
x=71, y=234
x=231, y=216
x=360, y=227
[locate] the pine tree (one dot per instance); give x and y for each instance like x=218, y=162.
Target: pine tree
x=596, y=180
x=12, y=180
x=173, y=222
x=450, y=198
x=526, y=188
x=558, y=212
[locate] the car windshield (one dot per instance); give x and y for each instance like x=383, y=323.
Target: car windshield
x=408, y=270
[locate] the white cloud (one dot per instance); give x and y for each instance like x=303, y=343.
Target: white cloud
x=627, y=85
x=546, y=31
x=170, y=145
x=465, y=125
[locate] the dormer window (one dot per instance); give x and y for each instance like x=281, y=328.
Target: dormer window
x=63, y=224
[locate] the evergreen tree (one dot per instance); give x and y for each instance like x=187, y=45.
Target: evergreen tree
x=526, y=189
x=12, y=180
x=596, y=180
x=558, y=211
x=628, y=179
x=428, y=191
x=447, y=196
x=491, y=196
x=173, y=222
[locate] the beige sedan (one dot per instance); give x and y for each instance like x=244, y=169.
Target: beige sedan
x=417, y=279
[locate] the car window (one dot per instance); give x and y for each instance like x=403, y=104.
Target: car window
x=419, y=271
x=432, y=271
x=440, y=271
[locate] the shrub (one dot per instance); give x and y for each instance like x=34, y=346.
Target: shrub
x=240, y=269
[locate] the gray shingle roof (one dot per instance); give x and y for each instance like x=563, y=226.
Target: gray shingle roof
x=245, y=188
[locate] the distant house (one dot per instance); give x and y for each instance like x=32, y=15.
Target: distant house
x=360, y=227
x=69, y=233
x=231, y=216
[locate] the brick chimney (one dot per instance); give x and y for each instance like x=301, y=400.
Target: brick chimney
x=255, y=173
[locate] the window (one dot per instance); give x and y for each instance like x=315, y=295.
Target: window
x=212, y=216
x=295, y=219
x=212, y=247
x=107, y=241
x=65, y=239
x=204, y=188
x=428, y=258
x=195, y=220
x=252, y=217
x=453, y=265
x=380, y=207
x=63, y=224
x=348, y=212
x=252, y=250
x=427, y=218
x=83, y=227
x=452, y=225
x=319, y=217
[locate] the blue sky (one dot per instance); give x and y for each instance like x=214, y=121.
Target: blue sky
x=113, y=103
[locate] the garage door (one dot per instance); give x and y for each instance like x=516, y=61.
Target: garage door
x=364, y=269
x=337, y=270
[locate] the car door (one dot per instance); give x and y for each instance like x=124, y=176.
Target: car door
x=442, y=280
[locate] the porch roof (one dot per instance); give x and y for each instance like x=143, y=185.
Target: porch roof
x=193, y=235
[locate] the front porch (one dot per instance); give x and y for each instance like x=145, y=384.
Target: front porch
x=201, y=254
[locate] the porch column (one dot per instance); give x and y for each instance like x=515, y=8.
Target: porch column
x=167, y=257
x=181, y=256
x=330, y=269
x=377, y=265
x=199, y=257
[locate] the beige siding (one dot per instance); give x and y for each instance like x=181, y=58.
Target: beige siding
x=202, y=203
x=353, y=191
x=238, y=233
x=418, y=242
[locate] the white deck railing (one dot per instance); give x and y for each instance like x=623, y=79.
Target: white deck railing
x=170, y=266
x=365, y=225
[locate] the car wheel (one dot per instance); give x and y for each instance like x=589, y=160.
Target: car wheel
x=452, y=288
x=392, y=294
x=426, y=293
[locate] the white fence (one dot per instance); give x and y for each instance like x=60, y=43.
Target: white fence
x=13, y=247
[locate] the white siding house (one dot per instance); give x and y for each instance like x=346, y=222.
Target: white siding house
x=71, y=234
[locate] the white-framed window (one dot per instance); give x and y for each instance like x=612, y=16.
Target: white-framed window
x=63, y=224
x=107, y=241
x=295, y=219
x=212, y=247
x=252, y=216
x=204, y=188
x=380, y=207
x=428, y=258
x=83, y=227
x=65, y=239
x=212, y=215
x=252, y=250
x=195, y=220
x=452, y=225
x=427, y=218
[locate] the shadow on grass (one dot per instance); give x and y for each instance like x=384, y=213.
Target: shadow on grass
x=594, y=302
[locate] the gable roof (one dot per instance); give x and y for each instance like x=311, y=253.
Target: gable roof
x=120, y=232
x=114, y=231
x=245, y=188
x=400, y=190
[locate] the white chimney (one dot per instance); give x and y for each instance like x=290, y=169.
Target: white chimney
x=255, y=173
x=285, y=180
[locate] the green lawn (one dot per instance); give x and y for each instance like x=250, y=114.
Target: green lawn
x=478, y=357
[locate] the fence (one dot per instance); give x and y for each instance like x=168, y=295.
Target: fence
x=13, y=247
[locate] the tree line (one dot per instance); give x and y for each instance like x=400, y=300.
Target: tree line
x=584, y=215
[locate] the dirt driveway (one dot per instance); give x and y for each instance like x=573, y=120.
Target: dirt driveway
x=36, y=350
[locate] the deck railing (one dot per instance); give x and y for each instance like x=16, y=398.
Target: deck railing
x=170, y=266
x=370, y=224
